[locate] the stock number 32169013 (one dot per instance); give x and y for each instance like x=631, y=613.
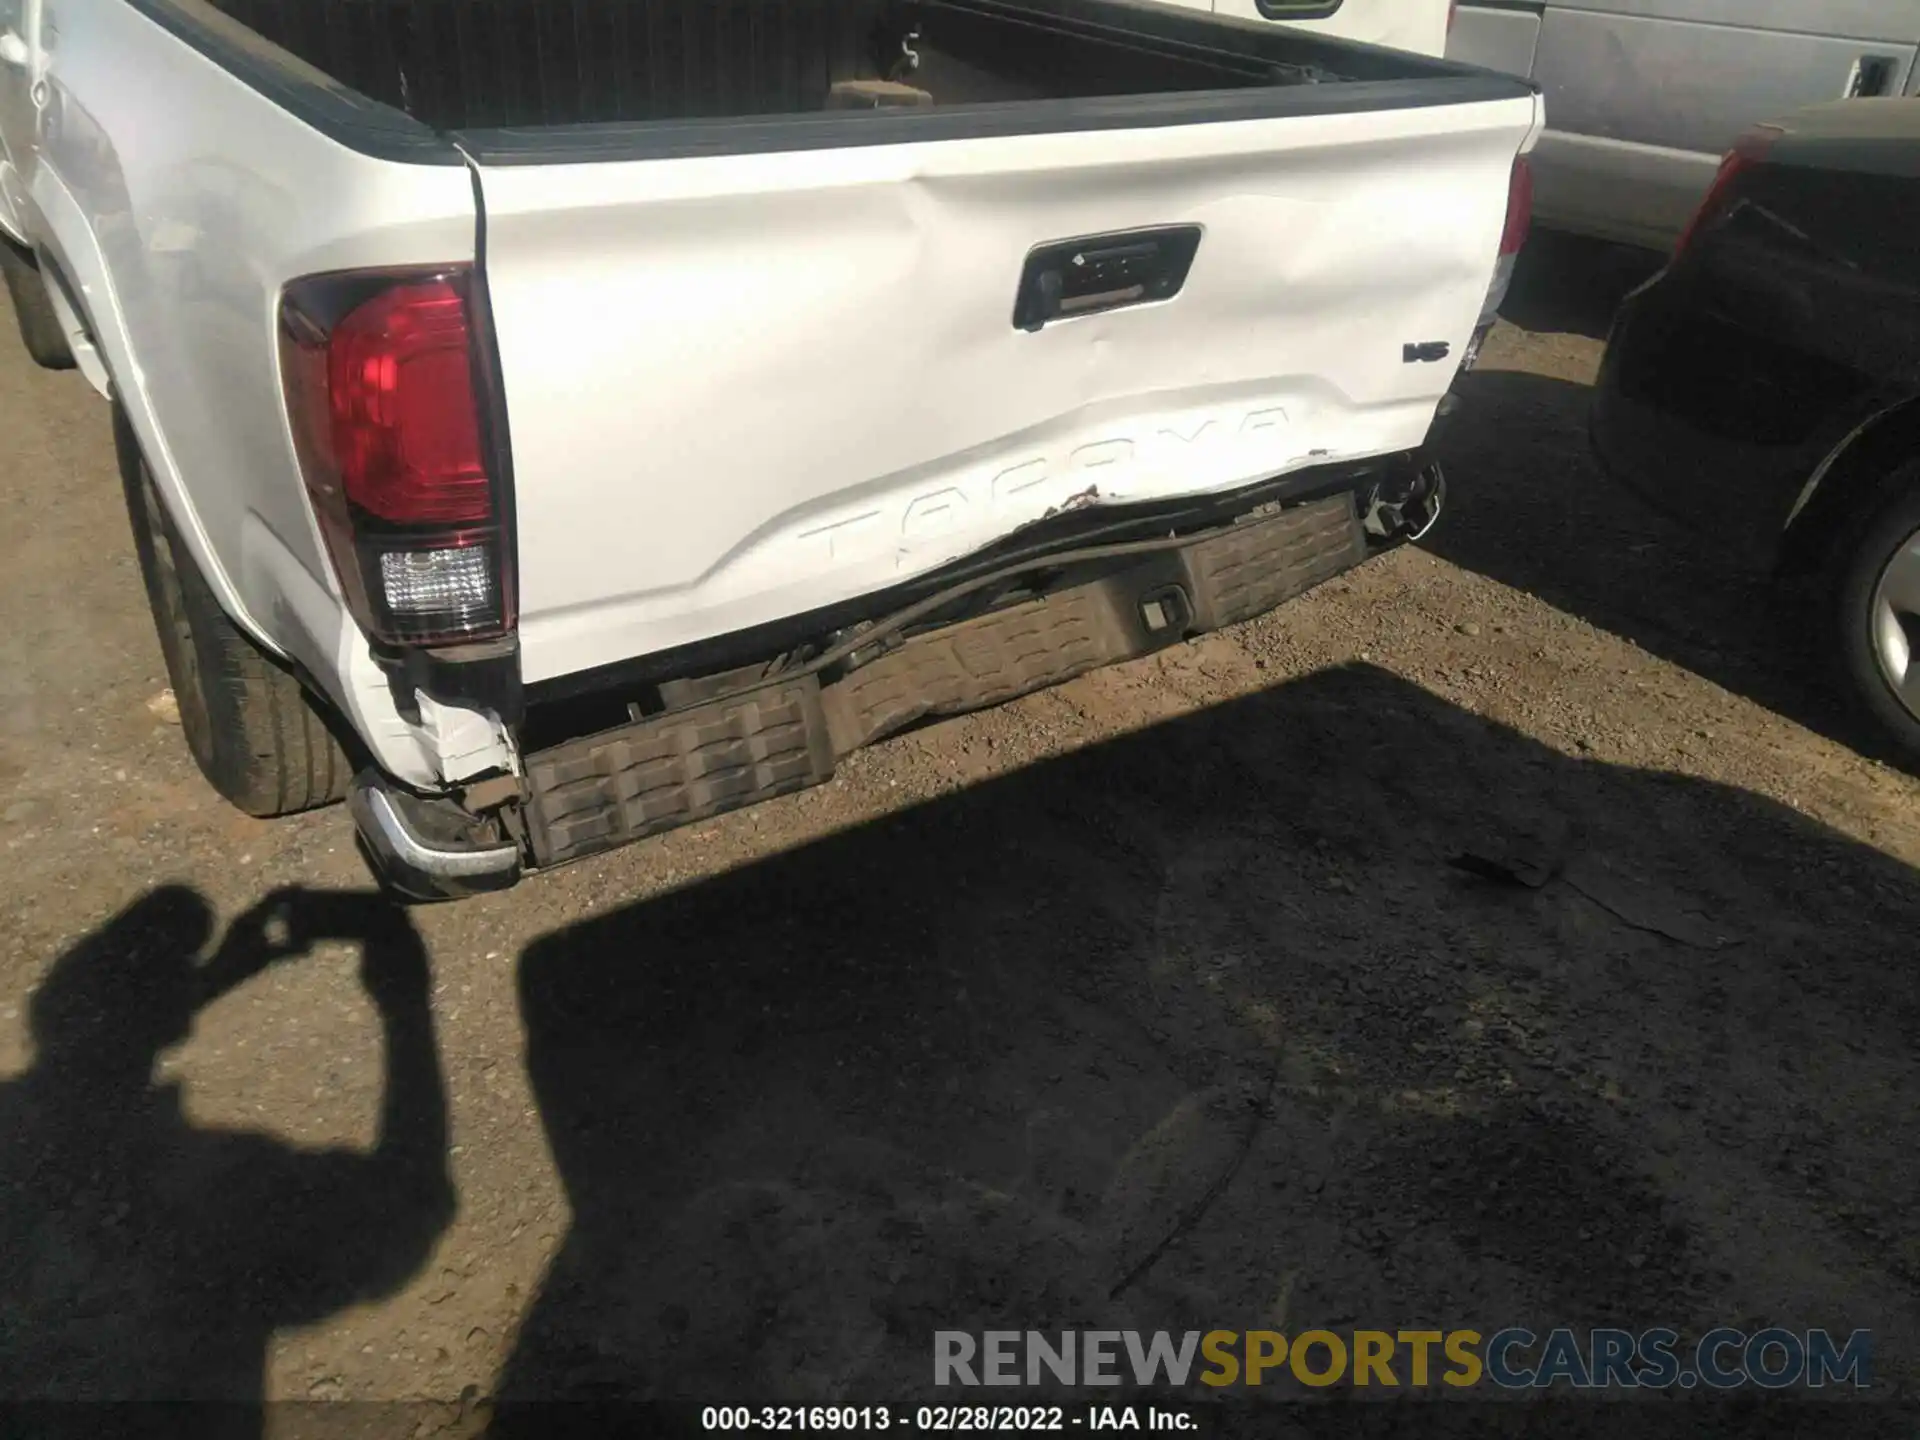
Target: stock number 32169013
x=990, y=1419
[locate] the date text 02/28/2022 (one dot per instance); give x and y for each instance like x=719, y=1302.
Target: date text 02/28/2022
x=944, y=1419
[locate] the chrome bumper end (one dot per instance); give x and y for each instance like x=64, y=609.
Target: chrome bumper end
x=425, y=849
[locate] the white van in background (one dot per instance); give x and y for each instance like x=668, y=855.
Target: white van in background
x=1643, y=97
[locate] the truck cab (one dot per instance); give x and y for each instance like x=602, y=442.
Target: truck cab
x=1416, y=25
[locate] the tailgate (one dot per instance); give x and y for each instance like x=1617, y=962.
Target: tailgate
x=744, y=386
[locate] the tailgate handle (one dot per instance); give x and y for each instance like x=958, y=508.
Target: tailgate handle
x=1064, y=278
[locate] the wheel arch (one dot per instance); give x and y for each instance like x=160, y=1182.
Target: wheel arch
x=1855, y=479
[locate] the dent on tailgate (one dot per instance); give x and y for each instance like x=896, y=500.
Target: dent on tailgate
x=746, y=386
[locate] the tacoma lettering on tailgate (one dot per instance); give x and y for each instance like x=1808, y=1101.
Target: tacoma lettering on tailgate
x=998, y=499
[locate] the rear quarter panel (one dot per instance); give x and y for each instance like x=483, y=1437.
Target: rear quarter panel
x=178, y=200
x=1769, y=348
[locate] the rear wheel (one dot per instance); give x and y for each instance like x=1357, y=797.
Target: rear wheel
x=253, y=730
x=1880, y=616
x=40, y=328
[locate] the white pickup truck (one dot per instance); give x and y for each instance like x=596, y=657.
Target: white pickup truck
x=549, y=422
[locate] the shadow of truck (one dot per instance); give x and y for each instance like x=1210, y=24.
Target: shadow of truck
x=1198, y=1027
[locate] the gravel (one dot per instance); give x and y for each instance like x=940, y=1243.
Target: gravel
x=967, y=1036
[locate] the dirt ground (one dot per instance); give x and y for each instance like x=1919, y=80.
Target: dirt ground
x=966, y=1039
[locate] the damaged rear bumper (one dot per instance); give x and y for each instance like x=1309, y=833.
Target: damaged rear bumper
x=607, y=789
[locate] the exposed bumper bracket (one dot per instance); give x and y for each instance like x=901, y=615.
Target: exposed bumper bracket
x=668, y=770
x=426, y=849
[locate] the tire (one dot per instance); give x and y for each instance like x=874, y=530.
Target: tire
x=1862, y=564
x=40, y=328
x=255, y=732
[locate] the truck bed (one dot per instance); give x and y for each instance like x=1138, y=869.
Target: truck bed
x=481, y=64
x=764, y=357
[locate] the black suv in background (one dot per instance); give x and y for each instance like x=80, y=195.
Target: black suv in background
x=1765, y=387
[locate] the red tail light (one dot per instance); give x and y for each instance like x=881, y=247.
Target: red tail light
x=1749, y=150
x=1519, y=208
x=379, y=372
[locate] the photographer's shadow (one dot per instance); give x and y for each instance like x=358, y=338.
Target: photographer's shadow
x=143, y=1257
